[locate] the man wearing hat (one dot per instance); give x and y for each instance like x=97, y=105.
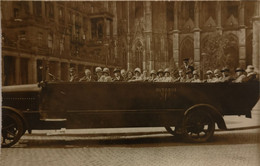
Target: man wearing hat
x=73, y=77
x=181, y=77
x=217, y=76
x=209, y=75
x=152, y=76
x=87, y=77
x=167, y=76
x=226, y=75
x=240, y=75
x=196, y=77
x=106, y=76
x=98, y=74
x=123, y=74
x=187, y=65
x=189, y=76
x=251, y=74
x=117, y=77
x=137, y=77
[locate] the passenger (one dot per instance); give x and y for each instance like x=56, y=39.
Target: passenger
x=87, y=77
x=181, y=77
x=159, y=77
x=217, y=76
x=152, y=76
x=106, y=76
x=209, y=75
x=117, y=76
x=251, y=74
x=226, y=75
x=129, y=76
x=196, y=77
x=137, y=77
x=240, y=75
x=167, y=76
x=187, y=65
x=73, y=77
x=98, y=74
x=124, y=74
x=145, y=75
x=189, y=76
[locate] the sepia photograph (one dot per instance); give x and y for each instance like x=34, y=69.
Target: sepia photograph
x=130, y=83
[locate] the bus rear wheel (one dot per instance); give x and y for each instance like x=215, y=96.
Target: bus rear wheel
x=198, y=126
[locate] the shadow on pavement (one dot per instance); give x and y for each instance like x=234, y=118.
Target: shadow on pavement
x=160, y=140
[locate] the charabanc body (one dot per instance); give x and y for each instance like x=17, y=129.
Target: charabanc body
x=187, y=109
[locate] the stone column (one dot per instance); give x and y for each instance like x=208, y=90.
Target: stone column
x=196, y=34
x=219, y=25
x=256, y=37
x=129, y=54
x=32, y=70
x=242, y=36
x=43, y=9
x=148, y=55
x=30, y=7
x=56, y=12
x=114, y=10
x=176, y=51
x=17, y=70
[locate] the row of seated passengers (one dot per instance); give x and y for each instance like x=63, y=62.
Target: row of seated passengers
x=166, y=76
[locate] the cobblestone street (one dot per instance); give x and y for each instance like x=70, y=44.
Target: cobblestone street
x=142, y=146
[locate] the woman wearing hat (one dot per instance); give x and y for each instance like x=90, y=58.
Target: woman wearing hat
x=152, y=76
x=117, y=76
x=240, y=75
x=106, y=76
x=196, y=77
x=209, y=75
x=251, y=74
x=137, y=77
x=167, y=76
x=159, y=77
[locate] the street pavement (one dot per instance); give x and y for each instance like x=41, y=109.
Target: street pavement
x=240, y=146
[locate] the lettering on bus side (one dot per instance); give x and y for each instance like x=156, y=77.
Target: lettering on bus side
x=165, y=93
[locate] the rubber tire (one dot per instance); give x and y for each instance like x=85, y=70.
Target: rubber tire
x=20, y=127
x=211, y=126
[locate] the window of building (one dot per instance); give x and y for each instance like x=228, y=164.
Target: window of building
x=61, y=14
x=139, y=9
x=97, y=28
x=22, y=35
x=37, y=8
x=40, y=39
x=49, y=9
x=232, y=9
x=61, y=45
x=50, y=41
x=16, y=13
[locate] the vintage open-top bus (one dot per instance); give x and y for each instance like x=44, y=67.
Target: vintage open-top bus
x=184, y=109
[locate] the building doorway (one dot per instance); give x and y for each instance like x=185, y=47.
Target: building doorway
x=187, y=50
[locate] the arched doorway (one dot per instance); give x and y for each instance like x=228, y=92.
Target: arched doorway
x=186, y=50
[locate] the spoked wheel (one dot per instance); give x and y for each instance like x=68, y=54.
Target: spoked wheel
x=12, y=129
x=175, y=131
x=198, y=126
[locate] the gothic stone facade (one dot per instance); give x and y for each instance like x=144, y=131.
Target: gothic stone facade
x=49, y=37
x=162, y=34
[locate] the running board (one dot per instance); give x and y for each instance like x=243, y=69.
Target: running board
x=53, y=120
